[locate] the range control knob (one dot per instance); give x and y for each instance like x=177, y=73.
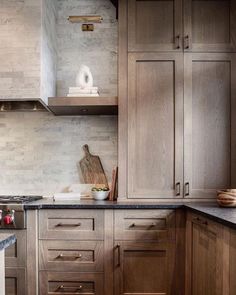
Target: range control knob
x=9, y=218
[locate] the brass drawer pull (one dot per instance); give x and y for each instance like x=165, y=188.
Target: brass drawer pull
x=65, y=288
x=177, y=42
x=62, y=256
x=186, y=189
x=118, y=259
x=143, y=225
x=68, y=225
x=186, y=41
x=177, y=189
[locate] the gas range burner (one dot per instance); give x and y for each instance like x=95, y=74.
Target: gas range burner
x=18, y=199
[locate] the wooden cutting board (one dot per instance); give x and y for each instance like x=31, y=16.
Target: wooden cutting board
x=92, y=169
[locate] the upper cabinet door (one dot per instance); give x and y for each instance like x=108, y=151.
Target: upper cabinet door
x=155, y=119
x=210, y=25
x=154, y=25
x=210, y=124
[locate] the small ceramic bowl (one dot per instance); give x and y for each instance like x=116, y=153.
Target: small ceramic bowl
x=100, y=195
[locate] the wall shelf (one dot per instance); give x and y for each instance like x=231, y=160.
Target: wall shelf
x=74, y=106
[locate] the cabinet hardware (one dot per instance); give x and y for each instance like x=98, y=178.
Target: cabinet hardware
x=186, y=42
x=68, y=225
x=177, y=189
x=186, y=189
x=177, y=42
x=65, y=288
x=143, y=225
x=62, y=256
x=118, y=251
x=199, y=221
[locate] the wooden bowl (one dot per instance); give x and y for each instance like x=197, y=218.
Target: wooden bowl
x=227, y=198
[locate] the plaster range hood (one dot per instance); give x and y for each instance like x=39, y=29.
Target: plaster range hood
x=22, y=105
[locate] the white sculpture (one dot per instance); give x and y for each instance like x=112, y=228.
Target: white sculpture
x=84, y=78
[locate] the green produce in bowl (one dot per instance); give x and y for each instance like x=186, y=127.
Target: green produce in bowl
x=99, y=189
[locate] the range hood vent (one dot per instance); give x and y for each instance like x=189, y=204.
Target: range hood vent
x=21, y=105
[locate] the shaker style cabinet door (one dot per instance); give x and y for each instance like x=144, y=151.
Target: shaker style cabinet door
x=144, y=268
x=210, y=25
x=155, y=125
x=210, y=123
x=15, y=281
x=154, y=25
x=205, y=261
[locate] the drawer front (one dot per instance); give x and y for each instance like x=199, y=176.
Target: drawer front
x=16, y=253
x=71, y=256
x=71, y=224
x=15, y=281
x=52, y=283
x=156, y=225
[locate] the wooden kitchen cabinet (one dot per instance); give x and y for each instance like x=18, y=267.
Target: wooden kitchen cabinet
x=204, y=256
x=154, y=25
x=145, y=225
x=232, y=262
x=155, y=125
x=210, y=124
x=15, y=281
x=210, y=25
x=71, y=224
x=70, y=283
x=143, y=268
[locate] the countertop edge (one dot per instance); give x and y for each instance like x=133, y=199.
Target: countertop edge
x=6, y=240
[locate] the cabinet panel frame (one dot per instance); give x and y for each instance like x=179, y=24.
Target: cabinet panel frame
x=177, y=23
x=96, y=232
x=121, y=246
x=20, y=275
x=177, y=59
x=189, y=58
x=218, y=231
x=220, y=47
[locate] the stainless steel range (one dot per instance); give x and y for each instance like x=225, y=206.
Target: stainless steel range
x=12, y=213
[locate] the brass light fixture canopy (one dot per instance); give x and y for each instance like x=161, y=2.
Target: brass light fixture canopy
x=85, y=19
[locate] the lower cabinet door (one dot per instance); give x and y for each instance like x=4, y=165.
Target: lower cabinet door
x=52, y=283
x=205, y=260
x=232, y=263
x=144, y=268
x=15, y=281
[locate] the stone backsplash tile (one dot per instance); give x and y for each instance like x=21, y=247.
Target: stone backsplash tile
x=39, y=152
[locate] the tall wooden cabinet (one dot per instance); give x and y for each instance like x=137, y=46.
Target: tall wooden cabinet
x=155, y=125
x=177, y=98
x=210, y=124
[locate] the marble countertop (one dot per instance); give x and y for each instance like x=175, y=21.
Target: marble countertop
x=226, y=216
x=6, y=240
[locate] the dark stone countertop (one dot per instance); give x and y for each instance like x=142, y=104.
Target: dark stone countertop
x=226, y=216
x=92, y=204
x=6, y=240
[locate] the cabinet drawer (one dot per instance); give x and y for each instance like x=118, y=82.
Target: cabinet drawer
x=71, y=256
x=16, y=253
x=15, y=281
x=145, y=225
x=71, y=224
x=52, y=283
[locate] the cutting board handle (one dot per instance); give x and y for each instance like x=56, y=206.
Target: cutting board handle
x=86, y=150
